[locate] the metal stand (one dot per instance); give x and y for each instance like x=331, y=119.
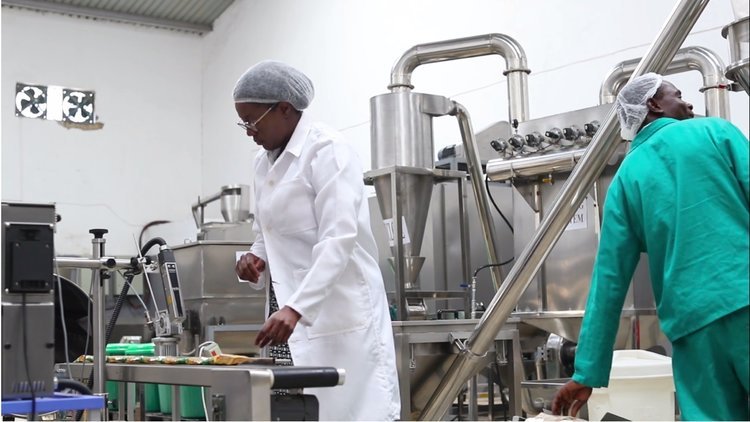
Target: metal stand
x=409, y=300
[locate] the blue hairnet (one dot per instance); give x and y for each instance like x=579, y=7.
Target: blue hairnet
x=631, y=103
x=272, y=82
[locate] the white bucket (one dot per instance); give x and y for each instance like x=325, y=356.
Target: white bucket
x=641, y=388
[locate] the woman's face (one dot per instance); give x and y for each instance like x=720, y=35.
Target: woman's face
x=263, y=124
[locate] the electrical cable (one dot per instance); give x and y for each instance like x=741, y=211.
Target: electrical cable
x=492, y=265
x=70, y=384
x=62, y=321
x=147, y=226
x=137, y=296
x=202, y=347
x=26, y=355
x=487, y=184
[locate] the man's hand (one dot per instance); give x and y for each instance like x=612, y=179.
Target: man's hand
x=278, y=327
x=249, y=267
x=571, y=397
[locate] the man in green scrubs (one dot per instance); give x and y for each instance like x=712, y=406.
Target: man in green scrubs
x=681, y=196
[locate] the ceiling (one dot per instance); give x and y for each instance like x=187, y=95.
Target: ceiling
x=196, y=16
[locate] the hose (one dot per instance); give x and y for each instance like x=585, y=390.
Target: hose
x=155, y=241
x=69, y=384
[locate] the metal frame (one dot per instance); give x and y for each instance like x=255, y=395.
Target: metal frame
x=245, y=390
x=439, y=176
x=409, y=333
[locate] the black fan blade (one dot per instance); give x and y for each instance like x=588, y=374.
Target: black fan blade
x=34, y=109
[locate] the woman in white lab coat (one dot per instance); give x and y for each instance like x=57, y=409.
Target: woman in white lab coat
x=313, y=236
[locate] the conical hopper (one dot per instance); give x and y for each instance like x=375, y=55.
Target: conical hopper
x=412, y=267
x=740, y=73
x=414, y=191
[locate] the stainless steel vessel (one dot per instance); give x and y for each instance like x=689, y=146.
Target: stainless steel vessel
x=218, y=306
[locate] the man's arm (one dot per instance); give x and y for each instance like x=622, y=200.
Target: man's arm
x=616, y=259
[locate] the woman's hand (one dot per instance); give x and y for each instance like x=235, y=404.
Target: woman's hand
x=278, y=327
x=249, y=267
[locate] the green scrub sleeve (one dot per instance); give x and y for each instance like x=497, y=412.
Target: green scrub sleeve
x=617, y=257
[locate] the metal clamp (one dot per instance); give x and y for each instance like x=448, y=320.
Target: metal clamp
x=461, y=344
x=218, y=407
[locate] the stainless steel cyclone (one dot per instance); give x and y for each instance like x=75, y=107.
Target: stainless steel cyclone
x=737, y=33
x=401, y=132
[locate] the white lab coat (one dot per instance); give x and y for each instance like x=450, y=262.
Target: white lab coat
x=313, y=226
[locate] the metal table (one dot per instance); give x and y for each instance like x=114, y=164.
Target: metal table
x=240, y=392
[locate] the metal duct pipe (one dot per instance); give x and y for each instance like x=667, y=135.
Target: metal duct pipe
x=474, y=164
x=501, y=170
x=715, y=84
x=604, y=144
x=461, y=48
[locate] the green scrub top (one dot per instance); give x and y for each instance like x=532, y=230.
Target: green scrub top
x=681, y=196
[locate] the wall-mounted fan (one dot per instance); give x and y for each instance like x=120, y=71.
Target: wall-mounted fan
x=31, y=101
x=78, y=106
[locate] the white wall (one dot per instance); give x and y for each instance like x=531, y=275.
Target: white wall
x=348, y=47
x=165, y=97
x=143, y=165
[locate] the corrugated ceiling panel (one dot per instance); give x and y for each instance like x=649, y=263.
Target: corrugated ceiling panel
x=194, y=13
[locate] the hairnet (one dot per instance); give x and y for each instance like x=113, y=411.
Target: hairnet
x=631, y=103
x=272, y=82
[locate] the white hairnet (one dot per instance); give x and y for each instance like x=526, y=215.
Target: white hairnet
x=631, y=103
x=272, y=82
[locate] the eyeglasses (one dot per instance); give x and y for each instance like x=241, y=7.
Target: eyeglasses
x=252, y=125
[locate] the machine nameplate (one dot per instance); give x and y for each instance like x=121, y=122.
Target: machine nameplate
x=391, y=231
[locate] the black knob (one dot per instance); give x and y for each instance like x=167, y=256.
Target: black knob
x=554, y=134
x=98, y=233
x=499, y=145
x=534, y=139
x=591, y=128
x=517, y=141
x=571, y=133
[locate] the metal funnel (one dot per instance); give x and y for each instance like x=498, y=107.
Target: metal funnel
x=738, y=35
x=412, y=267
x=414, y=191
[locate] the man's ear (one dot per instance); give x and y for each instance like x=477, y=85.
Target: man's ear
x=653, y=106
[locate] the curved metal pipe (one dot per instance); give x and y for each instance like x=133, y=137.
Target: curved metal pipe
x=605, y=142
x=482, y=45
x=474, y=164
x=715, y=84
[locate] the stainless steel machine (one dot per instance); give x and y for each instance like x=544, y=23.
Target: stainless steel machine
x=587, y=171
x=738, y=35
x=218, y=306
x=235, y=209
x=404, y=177
x=27, y=300
x=537, y=167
